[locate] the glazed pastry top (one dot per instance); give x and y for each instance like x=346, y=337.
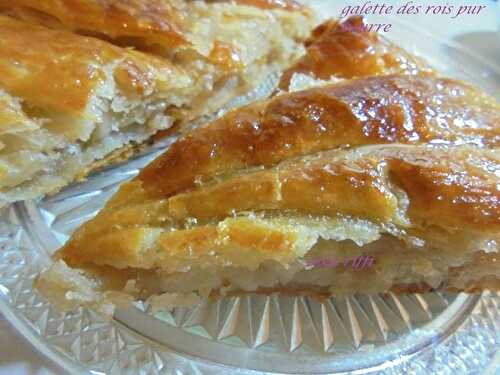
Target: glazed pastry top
x=165, y=26
x=405, y=109
x=58, y=74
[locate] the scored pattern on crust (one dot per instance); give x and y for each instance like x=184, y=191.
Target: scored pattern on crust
x=283, y=328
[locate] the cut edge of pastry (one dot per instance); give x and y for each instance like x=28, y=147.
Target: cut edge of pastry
x=69, y=288
x=59, y=162
x=296, y=260
x=203, y=243
x=54, y=161
x=227, y=63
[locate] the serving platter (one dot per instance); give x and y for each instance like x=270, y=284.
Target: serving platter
x=390, y=334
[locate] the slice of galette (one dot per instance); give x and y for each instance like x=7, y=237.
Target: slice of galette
x=286, y=195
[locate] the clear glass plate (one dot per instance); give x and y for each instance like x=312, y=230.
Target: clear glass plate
x=418, y=333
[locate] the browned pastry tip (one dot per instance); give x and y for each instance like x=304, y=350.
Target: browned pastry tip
x=346, y=49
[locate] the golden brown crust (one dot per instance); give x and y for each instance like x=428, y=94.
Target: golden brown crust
x=375, y=110
x=77, y=62
x=361, y=183
x=347, y=50
x=449, y=188
x=67, y=92
x=160, y=26
x=83, y=89
x=276, y=169
x=199, y=39
x=457, y=189
x=158, y=21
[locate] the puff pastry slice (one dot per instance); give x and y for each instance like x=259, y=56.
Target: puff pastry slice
x=402, y=169
x=89, y=101
x=68, y=100
x=228, y=47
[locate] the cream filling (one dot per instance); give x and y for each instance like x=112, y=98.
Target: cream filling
x=395, y=263
x=338, y=267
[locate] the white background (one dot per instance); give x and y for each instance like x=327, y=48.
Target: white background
x=479, y=33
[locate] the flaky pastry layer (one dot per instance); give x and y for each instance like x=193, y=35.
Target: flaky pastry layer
x=227, y=47
x=72, y=101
